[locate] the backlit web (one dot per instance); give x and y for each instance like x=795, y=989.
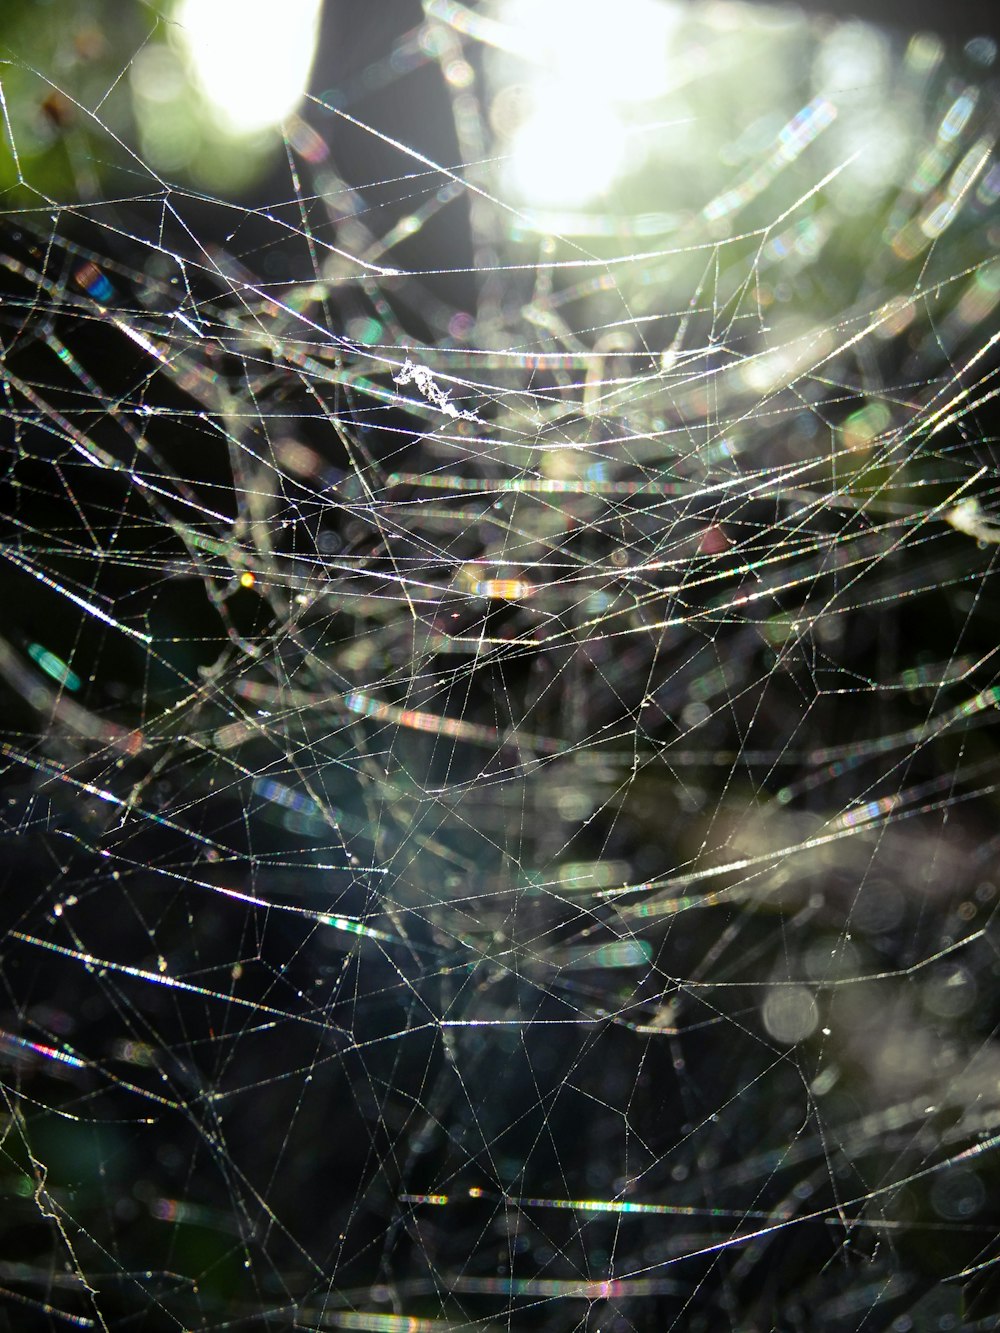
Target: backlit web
x=499, y=688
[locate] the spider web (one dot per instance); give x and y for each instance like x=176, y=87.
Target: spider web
x=500, y=784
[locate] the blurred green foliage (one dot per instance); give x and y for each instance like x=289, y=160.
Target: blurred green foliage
x=65, y=80
x=99, y=102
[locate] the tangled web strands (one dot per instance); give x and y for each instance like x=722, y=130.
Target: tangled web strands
x=500, y=751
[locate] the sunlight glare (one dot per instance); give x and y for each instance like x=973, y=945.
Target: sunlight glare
x=250, y=58
x=567, y=151
x=593, y=64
